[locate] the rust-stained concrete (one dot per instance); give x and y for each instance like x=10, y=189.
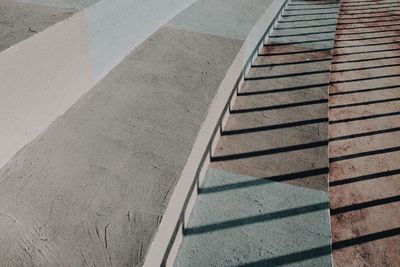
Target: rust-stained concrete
x=364, y=135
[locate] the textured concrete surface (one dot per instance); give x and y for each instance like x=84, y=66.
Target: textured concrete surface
x=244, y=221
x=19, y=21
x=270, y=165
x=277, y=128
x=364, y=136
x=42, y=76
x=92, y=188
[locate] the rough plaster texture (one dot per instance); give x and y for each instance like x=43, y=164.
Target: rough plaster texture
x=222, y=20
x=94, y=185
x=61, y=63
x=365, y=188
x=92, y=188
x=267, y=224
x=22, y=20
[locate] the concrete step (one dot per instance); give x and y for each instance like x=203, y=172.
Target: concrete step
x=276, y=134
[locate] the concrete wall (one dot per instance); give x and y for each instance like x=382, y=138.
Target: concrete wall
x=42, y=76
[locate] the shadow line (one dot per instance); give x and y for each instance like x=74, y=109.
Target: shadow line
x=294, y=52
x=365, y=90
x=300, y=42
x=288, y=89
x=366, y=68
x=255, y=219
x=368, y=27
x=367, y=38
x=370, y=32
x=274, y=127
x=304, y=20
x=373, y=4
x=266, y=180
x=366, y=238
x=296, y=74
x=373, y=12
x=310, y=14
x=300, y=34
x=365, y=52
x=364, y=45
x=366, y=103
x=365, y=154
x=295, y=257
x=306, y=27
x=372, y=7
x=369, y=17
x=364, y=60
x=368, y=117
x=364, y=205
x=291, y=63
x=352, y=136
x=282, y=106
x=364, y=177
x=366, y=79
x=271, y=151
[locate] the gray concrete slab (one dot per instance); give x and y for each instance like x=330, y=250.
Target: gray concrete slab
x=97, y=181
x=243, y=221
x=22, y=20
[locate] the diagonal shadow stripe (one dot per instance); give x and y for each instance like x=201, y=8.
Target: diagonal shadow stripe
x=287, y=75
x=299, y=42
x=364, y=60
x=295, y=257
x=294, y=88
x=256, y=219
x=269, y=151
x=366, y=103
x=367, y=38
x=282, y=106
x=300, y=34
x=352, y=136
x=365, y=238
x=365, y=205
x=368, y=26
x=365, y=45
x=365, y=52
x=365, y=154
x=366, y=79
x=372, y=12
x=364, y=177
x=368, y=117
x=264, y=181
x=294, y=52
x=306, y=27
x=291, y=63
x=301, y=256
x=366, y=68
x=274, y=127
x=370, y=32
x=304, y=20
x=365, y=90
x=309, y=14
x=372, y=7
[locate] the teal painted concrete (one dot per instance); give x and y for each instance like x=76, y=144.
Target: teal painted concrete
x=220, y=19
x=241, y=220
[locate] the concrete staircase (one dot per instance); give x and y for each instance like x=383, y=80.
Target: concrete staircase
x=265, y=198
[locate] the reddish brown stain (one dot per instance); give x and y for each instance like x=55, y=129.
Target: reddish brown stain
x=368, y=220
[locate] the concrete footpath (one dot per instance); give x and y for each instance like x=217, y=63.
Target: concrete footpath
x=265, y=199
